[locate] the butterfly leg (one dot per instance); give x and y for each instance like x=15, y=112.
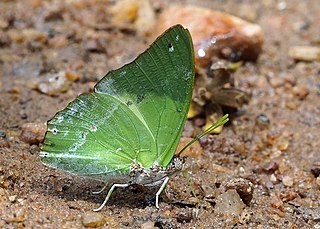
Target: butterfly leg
x=98, y=192
x=109, y=194
x=163, y=185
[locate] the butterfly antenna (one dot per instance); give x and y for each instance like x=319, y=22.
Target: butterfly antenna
x=220, y=122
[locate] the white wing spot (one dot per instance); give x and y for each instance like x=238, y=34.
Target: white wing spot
x=171, y=48
x=177, y=37
x=123, y=73
x=93, y=128
x=118, y=150
x=54, y=130
x=77, y=145
x=60, y=119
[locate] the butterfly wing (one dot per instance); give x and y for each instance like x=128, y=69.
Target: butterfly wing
x=136, y=114
x=157, y=87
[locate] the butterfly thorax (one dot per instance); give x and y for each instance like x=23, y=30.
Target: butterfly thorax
x=155, y=174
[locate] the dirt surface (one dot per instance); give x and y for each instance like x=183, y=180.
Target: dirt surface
x=269, y=152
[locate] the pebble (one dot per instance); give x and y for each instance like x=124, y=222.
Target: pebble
x=318, y=181
x=59, y=41
x=18, y=217
x=287, y=181
x=148, y=225
x=270, y=167
x=288, y=196
x=300, y=91
x=2, y=134
x=262, y=121
x=72, y=76
x=32, y=133
x=305, y=53
x=243, y=187
x=4, y=39
x=93, y=219
x=12, y=199
x=276, y=202
x=93, y=45
x=215, y=33
x=273, y=178
x=2, y=192
x=54, y=83
x=315, y=172
x=184, y=217
x=138, y=13
x=4, y=143
x=229, y=203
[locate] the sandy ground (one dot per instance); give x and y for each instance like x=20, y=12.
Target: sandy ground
x=272, y=143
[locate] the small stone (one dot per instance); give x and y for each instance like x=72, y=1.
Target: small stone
x=4, y=39
x=263, y=121
x=148, y=225
x=273, y=178
x=318, y=181
x=18, y=216
x=2, y=192
x=184, y=217
x=315, y=172
x=138, y=13
x=33, y=133
x=288, y=196
x=72, y=76
x=13, y=198
x=93, y=219
x=229, y=203
x=59, y=41
x=287, y=181
x=276, y=202
x=93, y=45
x=53, y=84
x=305, y=53
x=4, y=143
x=300, y=91
x=270, y=167
x=282, y=144
x=243, y=187
x=277, y=82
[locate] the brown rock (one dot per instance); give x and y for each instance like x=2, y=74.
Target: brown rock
x=93, y=219
x=276, y=203
x=138, y=13
x=72, y=76
x=305, y=53
x=243, y=187
x=33, y=133
x=300, y=91
x=215, y=33
x=229, y=204
x=58, y=41
x=4, y=143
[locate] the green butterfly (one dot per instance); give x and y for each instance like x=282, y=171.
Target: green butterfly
x=127, y=131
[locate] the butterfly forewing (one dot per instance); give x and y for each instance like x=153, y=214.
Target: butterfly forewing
x=136, y=114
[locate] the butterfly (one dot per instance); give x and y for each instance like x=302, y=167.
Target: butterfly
x=127, y=131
